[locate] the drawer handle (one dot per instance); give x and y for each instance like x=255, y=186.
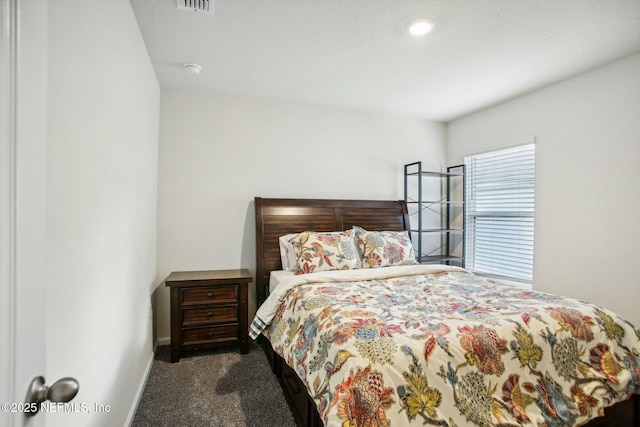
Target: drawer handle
x=210, y=333
x=210, y=294
x=291, y=383
x=210, y=313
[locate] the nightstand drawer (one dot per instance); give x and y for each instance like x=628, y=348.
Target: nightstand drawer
x=217, y=314
x=213, y=333
x=211, y=294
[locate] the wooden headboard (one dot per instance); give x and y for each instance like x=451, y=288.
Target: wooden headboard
x=277, y=217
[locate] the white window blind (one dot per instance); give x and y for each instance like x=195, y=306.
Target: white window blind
x=500, y=196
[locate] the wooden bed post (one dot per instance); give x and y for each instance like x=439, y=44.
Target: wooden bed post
x=260, y=286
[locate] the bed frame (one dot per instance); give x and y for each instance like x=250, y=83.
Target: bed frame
x=276, y=217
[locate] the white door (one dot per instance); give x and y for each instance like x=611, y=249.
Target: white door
x=23, y=120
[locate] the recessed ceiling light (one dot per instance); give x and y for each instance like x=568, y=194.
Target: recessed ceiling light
x=192, y=68
x=420, y=27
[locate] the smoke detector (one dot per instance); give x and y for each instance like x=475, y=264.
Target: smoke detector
x=199, y=6
x=193, y=69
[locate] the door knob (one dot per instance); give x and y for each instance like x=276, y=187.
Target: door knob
x=63, y=390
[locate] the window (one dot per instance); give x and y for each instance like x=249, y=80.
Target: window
x=500, y=192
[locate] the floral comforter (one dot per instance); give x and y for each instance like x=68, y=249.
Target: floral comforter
x=445, y=347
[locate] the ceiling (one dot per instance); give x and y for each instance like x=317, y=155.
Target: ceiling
x=356, y=54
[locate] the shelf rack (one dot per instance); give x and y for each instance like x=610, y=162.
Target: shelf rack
x=443, y=207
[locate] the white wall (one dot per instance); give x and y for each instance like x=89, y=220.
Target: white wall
x=587, y=173
x=103, y=110
x=219, y=152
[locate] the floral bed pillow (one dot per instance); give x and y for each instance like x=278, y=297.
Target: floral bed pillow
x=384, y=248
x=325, y=251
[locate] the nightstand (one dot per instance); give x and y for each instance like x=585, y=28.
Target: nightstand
x=208, y=309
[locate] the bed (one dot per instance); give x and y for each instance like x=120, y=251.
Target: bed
x=430, y=345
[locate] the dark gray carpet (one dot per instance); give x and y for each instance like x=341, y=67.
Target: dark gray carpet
x=212, y=388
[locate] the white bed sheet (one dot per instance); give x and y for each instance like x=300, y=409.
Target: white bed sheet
x=277, y=276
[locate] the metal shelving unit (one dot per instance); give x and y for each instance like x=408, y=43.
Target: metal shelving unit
x=436, y=207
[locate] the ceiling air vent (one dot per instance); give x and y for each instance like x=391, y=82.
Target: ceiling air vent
x=200, y=6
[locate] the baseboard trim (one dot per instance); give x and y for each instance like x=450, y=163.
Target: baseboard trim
x=141, y=386
x=162, y=341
